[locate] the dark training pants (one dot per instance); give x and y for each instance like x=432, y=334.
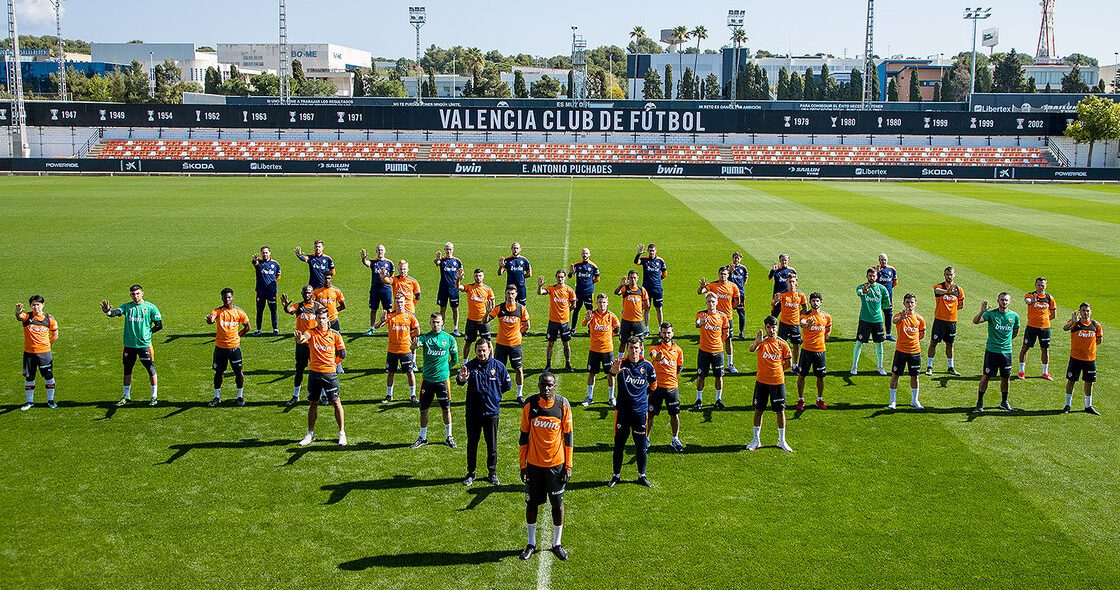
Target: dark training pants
x=482, y=426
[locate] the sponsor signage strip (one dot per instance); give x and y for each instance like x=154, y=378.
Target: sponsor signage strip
x=382, y=167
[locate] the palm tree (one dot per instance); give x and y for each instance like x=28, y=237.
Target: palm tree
x=472, y=62
x=699, y=33
x=636, y=35
x=680, y=35
x=738, y=36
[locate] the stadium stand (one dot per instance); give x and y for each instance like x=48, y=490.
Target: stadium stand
x=174, y=149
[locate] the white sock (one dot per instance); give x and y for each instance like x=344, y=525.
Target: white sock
x=311, y=433
x=424, y=432
x=1022, y=367
x=590, y=391
x=1045, y=368
x=1069, y=399
x=820, y=397
x=520, y=389
x=1088, y=400
x=929, y=362
x=699, y=395
x=217, y=393
x=389, y=391
x=240, y=392
x=730, y=359
x=29, y=390
x=610, y=393
x=914, y=396
x=127, y=391
x=447, y=430
x=412, y=390
x=533, y=534
x=295, y=392
x=894, y=394
x=557, y=531
x=50, y=389
x=757, y=433
x=719, y=395
x=155, y=391
x=781, y=435
x=949, y=359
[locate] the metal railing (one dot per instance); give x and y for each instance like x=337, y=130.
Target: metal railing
x=91, y=141
x=1059, y=155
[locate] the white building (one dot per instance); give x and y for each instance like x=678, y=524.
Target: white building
x=328, y=61
x=1052, y=74
x=192, y=62
x=451, y=85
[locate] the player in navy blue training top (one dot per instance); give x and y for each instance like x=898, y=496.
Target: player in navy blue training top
x=586, y=274
x=780, y=273
x=653, y=270
x=888, y=277
x=516, y=268
x=634, y=377
x=380, y=292
x=739, y=276
x=268, y=272
x=319, y=265
x=450, y=274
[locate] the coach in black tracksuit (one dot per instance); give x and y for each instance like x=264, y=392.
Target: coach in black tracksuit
x=486, y=379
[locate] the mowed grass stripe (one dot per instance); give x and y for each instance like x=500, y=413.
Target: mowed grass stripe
x=1044, y=228
x=1036, y=455
x=999, y=194
x=1107, y=194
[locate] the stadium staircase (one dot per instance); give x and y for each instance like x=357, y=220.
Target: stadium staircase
x=174, y=149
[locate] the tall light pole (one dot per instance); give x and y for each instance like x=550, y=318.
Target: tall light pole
x=152, y=74
x=975, y=15
x=735, y=20
x=57, y=5
x=285, y=59
x=18, y=125
x=579, y=66
x=869, y=55
x=417, y=17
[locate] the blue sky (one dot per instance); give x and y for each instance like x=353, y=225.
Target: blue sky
x=907, y=27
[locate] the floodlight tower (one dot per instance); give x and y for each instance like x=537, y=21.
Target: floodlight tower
x=869, y=55
x=57, y=5
x=18, y=125
x=1046, y=50
x=285, y=57
x=975, y=15
x=417, y=17
x=735, y=21
x=579, y=66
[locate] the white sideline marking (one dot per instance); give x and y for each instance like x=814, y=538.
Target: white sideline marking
x=568, y=223
x=544, y=565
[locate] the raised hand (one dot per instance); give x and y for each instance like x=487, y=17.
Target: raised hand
x=284, y=300
x=256, y=258
x=640, y=248
x=540, y=281
x=775, y=267
x=299, y=251
x=464, y=372
x=364, y=254
x=758, y=337
x=1074, y=317
x=983, y=306
x=105, y=306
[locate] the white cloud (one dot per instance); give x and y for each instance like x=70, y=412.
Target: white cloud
x=36, y=13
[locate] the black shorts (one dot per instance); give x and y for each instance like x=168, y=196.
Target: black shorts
x=319, y=384
x=656, y=298
x=943, y=331
x=772, y=395
x=1086, y=370
x=382, y=299
x=303, y=356
x=144, y=355
x=635, y=421
x=544, y=484
x=628, y=329
x=670, y=397
x=447, y=296
x=437, y=391
x=709, y=362
x=510, y=356
x=870, y=331
x=224, y=356
x=811, y=362
x=1042, y=335
x=336, y=326
x=599, y=361
x=477, y=330
x=561, y=330
x=997, y=362
x=43, y=362
x=267, y=297
x=587, y=303
x=904, y=361
x=791, y=334
x=403, y=362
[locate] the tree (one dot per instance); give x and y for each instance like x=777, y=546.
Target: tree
x=571, y=83
x=1048, y=89
x=169, y=84
x=213, y=81
x=783, y=84
x=1008, y=75
x=359, y=83
x=915, y=87
x=828, y=86
x=1098, y=119
x=680, y=35
x=519, y=88
x=892, y=91
x=668, y=81
x=796, y=90
x=685, y=88
x=134, y=86
x=389, y=87
x=1100, y=89
x=763, y=84
x=1116, y=81
x=545, y=87
x=810, y=81
x=959, y=82
x=651, y=89
x=1079, y=59
x=983, y=73
x=298, y=77
x=1072, y=82
x=711, y=87
x=1032, y=86
x=235, y=84
x=432, y=89
x=937, y=93
x=700, y=32
x=874, y=88
x=855, y=86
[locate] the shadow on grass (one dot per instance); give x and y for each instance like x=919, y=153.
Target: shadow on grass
x=173, y=337
x=326, y=446
x=428, y=559
x=479, y=493
x=339, y=491
x=245, y=443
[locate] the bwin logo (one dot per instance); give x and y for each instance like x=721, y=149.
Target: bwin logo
x=151, y=115
x=54, y=114
x=468, y=169
x=670, y=169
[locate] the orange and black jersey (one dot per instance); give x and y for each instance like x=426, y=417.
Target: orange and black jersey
x=512, y=323
x=546, y=432
x=1084, y=339
x=39, y=332
x=1039, y=308
x=305, y=312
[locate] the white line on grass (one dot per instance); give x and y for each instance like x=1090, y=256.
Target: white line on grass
x=568, y=223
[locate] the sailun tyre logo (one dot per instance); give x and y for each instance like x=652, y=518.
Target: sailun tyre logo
x=468, y=169
x=670, y=169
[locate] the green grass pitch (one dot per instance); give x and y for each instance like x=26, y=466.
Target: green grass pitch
x=185, y=496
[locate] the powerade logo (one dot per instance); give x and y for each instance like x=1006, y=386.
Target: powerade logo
x=936, y=172
x=1071, y=174
x=736, y=170
x=670, y=169
x=197, y=166
x=63, y=165
x=871, y=171
x=467, y=169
